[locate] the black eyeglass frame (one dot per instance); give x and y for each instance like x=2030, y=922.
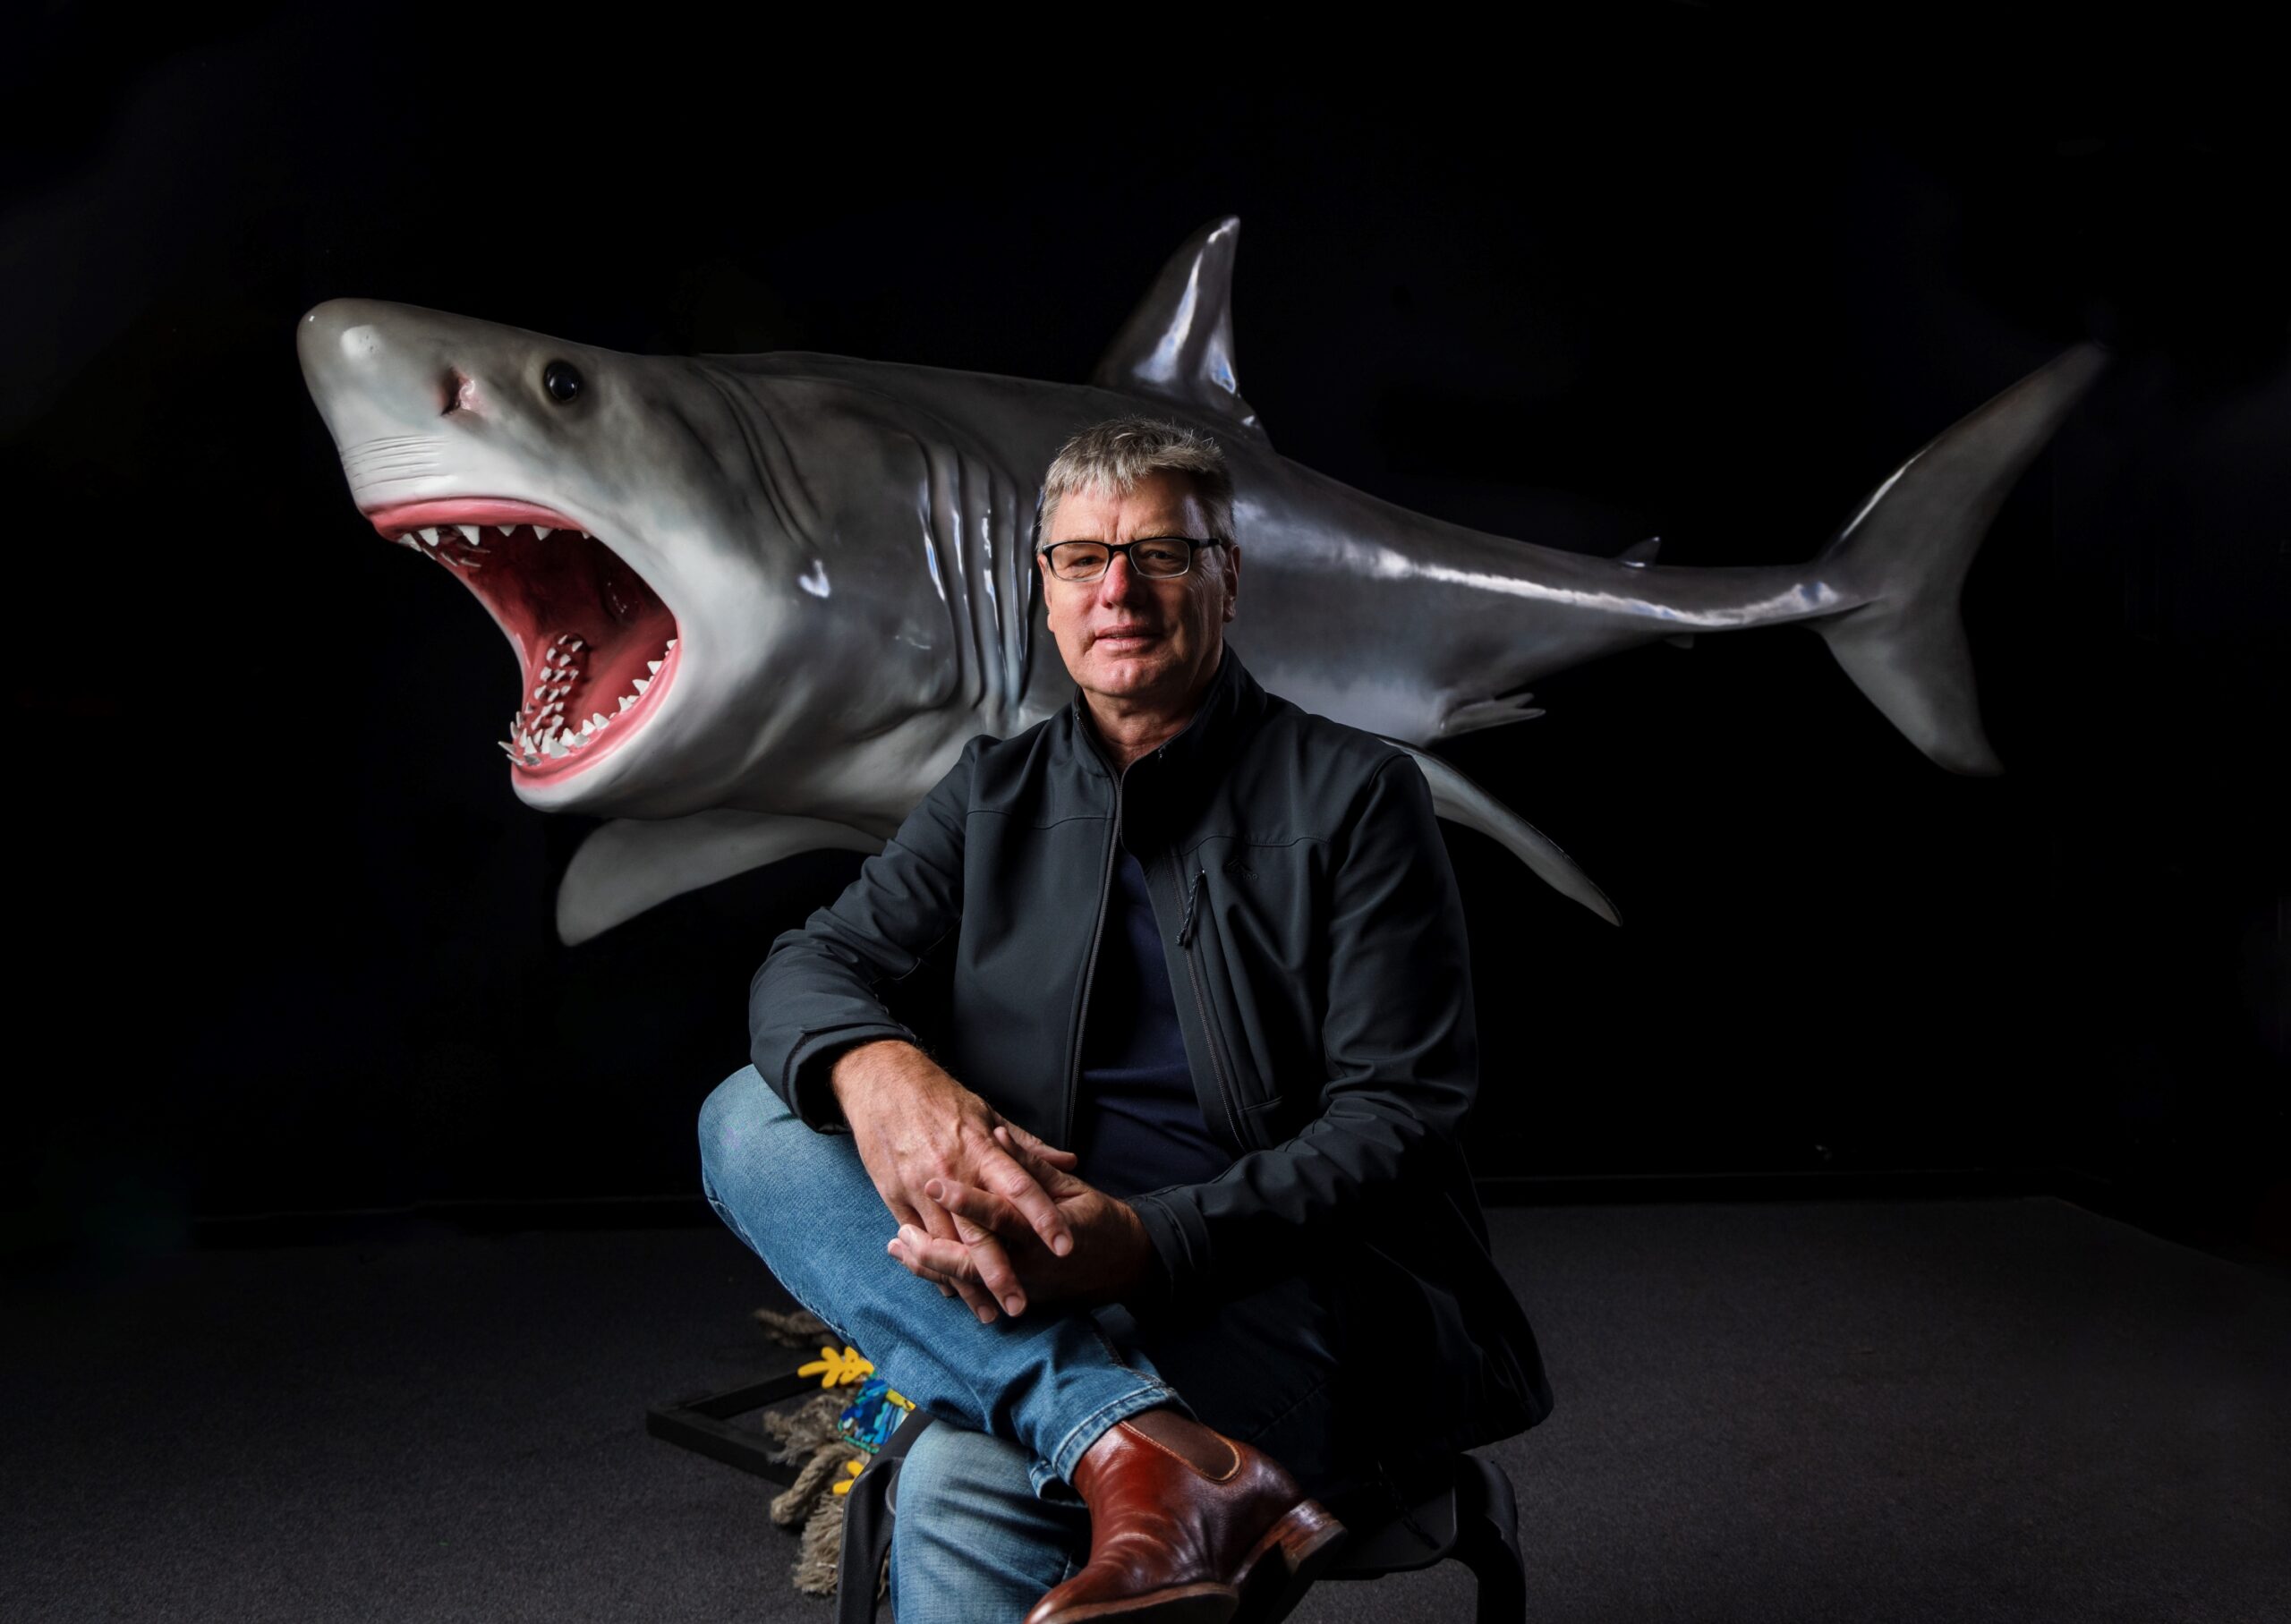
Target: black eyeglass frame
x=1193, y=547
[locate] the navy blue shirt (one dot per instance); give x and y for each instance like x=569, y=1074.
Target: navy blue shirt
x=1138, y=1125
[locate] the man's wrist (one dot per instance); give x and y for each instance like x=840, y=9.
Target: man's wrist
x=1142, y=1279
x=1159, y=1290
x=864, y=1065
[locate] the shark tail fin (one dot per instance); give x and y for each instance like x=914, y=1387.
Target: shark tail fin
x=1905, y=556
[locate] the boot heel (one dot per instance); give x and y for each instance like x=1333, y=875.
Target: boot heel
x=1307, y=1540
x=1306, y=1534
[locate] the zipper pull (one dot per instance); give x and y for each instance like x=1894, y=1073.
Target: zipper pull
x=1193, y=895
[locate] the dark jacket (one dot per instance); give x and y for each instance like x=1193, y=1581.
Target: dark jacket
x=1316, y=945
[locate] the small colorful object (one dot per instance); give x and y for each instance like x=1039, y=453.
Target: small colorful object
x=837, y=1369
x=873, y=1415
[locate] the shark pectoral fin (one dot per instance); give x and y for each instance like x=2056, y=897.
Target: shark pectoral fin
x=1178, y=343
x=1459, y=800
x=634, y=865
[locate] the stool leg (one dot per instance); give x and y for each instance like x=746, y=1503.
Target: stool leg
x=1487, y=1541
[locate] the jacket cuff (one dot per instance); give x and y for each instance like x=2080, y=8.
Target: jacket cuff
x=808, y=1084
x=1181, y=1244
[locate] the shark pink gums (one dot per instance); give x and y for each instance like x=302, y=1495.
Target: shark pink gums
x=596, y=646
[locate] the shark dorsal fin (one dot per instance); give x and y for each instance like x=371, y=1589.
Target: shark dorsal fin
x=1178, y=343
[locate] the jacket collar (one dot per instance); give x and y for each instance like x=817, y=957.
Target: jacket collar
x=1229, y=709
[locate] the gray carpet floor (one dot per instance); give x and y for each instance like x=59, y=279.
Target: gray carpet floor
x=1922, y=1411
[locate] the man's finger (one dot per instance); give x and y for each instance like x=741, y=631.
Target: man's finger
x=986, y=1250
x=975, y=1211
x=1009, y=1178
x=944, y=1258
x=907, y=1216
x=905, y=1252
x=1065, y=1161
x=987, y=1209
x=994, y=1271
x=906, y=1260
x=1056, y=1181
x=938, y=1224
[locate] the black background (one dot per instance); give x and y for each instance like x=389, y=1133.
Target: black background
x=285, y=933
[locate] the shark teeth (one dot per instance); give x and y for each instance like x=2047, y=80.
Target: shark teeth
x=474, y=535
x=542, y=732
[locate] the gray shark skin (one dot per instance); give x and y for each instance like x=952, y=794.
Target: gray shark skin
x=780, y=591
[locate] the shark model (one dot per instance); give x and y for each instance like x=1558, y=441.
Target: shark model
x=760, y=602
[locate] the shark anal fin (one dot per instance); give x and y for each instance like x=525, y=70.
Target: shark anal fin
x=634, y=865
x=1178, y=343
x=1498, y=712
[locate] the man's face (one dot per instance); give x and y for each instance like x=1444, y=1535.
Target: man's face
x=1125, y=636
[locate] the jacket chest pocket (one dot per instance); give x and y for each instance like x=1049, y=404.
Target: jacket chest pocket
x=1257, y=934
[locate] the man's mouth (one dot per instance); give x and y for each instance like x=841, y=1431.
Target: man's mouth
x=1125, y=636
x=595, y=644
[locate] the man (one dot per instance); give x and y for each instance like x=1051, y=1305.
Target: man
x=1174, y=1220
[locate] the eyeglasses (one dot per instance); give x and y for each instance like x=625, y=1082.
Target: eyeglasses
x=1157, y=557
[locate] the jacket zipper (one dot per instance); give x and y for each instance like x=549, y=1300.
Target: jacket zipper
x=1089, y=972
x=1192, y=896
x=1200, y=999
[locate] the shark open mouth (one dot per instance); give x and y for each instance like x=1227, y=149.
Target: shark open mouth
x=596, y=646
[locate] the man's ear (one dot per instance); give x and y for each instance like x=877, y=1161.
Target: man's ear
x=1232, y=577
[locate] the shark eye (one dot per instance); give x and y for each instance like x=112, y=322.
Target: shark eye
x=562, y=379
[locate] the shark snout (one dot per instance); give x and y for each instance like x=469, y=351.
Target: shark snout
x=375, y=368
x=385, y=385
x=401, y=388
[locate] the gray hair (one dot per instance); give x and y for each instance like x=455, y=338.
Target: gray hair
x=1115, y=454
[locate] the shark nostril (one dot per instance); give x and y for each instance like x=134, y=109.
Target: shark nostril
x=461, y=392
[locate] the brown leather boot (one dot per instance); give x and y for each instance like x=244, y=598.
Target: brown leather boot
x=1187, y=1527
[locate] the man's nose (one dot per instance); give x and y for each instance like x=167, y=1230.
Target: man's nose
x=1113, y=588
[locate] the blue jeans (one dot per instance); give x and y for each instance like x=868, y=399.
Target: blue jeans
x=986, y=1522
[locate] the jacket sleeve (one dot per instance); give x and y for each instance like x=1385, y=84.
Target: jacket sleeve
x=1402, y=1068
x=815, y=994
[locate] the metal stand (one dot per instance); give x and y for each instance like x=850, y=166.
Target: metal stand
x=701, y=1424
x=1475, y=1518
